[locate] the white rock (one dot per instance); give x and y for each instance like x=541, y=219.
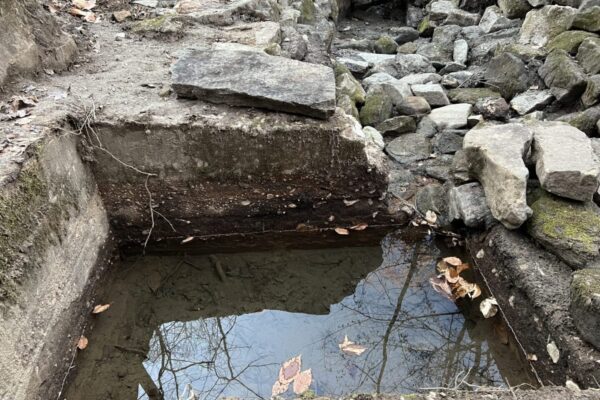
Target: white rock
x=453, y=116
x=531, y=100
x=432, y=92
x=461, y=51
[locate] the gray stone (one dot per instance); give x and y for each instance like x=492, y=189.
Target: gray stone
x=493, y=20
x=432, y=92
x=585, y=304
x=433, y=198
x=374, y=58
x=471, y=95
x=374, y=136
x=254, y=79
x=460, y=168
x=397, y=125
x=436, y=53
x=453, y=116
x=452, y=67
x=440, y=9
x=483, y=47
x=356, y=66
x=461, y=51
x=346, y=84
x=377, y=108
x=395, y=89
x=467, y=203
x=427, y=127
x=413, y=105
x=385, y=45
x=406, y=34
x=345, y=103
x=584, y=120
x=508, y=74
x=563, y=76
x=412, y=64
x=460, y=78
x=589, y=55
x=540, y=26
x=585, y=4
x=462, y=18
x=531, y=100
x=565, y=162
x=514, y=8
x=569, y=41
x=436, y=168
x=493, y=108
x=401, y=183
x=474, y=120
x=409, y=148
x=448, y=142
x=591, y=96
x=420, y=79
x=588, y=19
x=495, y=155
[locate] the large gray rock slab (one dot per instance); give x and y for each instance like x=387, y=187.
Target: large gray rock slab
x=494, y=20
x=540, y=26
x=241, y=77
x=508, y=74
x=409, y=148
x=467, y=203
x=585, y=304
x=566, y=164
x=453, y=116
x=432, y=92
x=563, y=76
x=588, y=19
x=591, y=96
x=495, y=156
x=531, y=100
x=589, y=55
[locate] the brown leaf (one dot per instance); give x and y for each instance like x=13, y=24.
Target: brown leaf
x=462, y=267
x=84, y=4
x=82, y=343
x=349, y=347
x=442, y=266
x=454, y=261
x=360, y=227
x=279, y=388
x=441, y=286
x=290, y=370
x=451, y=275
x=87, y=15
x=302, y=381
x=187, y=240
x=342, y=231
x=100, y=308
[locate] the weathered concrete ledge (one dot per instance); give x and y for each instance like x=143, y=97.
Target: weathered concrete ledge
x=53, y=234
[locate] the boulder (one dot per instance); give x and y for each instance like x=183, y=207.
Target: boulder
x=471, y=95
x=541, y=25
x=514, y=8
x=427, y=127
x=569, y=229
x=436, y=168
x=507, y=74
x=565, y=162
x=525, y=52
x=433, y=198
x=439, y=10
x=462, y=18
x=353, y=65
x=385, y=45
x=421, y=79
x=406, y=34
x=413, y=105
x=493, y=20
x=467, y=203
x=345, y=103
x=495, y=156
x=493, y=108
x=531, y=100
x=591, y=96
x=452, y=67
x=588, y=19
x=584, y=120
x=246, y=77
x=563, y=76
x=585, y=304
x=461, y=51
x=453, y=116
x=395, y=89
x=409, y=148
x=569, y=41
x=377, y=108
x=484, y=46
x=397, y=125
x=589, y=55
x=432, y=92
x=448, y=141
x=346, y=84
x=412, y=64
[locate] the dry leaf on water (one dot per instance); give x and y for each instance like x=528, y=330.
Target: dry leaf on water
x=463, y=288
x=342, y=231
x=488, y=307
x=454, y=261
x=441, y=286
x=349, y=347
x=302, y=381
x=279, y=388
x=82, y=343
x=187, y=239
x=100, y=308
x=290, y=369
x=360, y=227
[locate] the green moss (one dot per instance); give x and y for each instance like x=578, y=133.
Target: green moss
x=377, y=108
x=308, y=12
x=586, y=283
x=340, y=69
x=386, y=45
x=568, y=221
x=425, y=27
x=163, y=24
x=588, y=19
x=346, y=84
x=569, y=41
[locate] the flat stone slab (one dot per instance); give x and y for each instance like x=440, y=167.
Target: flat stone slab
x=531, y=100
x=566, y=164
x=495, y=156
x=453, y=116
x=251, y=78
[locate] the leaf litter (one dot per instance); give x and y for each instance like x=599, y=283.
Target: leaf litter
x=291, y=371
x=450, y=284
x=349, y=347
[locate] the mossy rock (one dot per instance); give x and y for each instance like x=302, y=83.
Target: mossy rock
x=569, y=229
x=471, y=95
x=426, y=27
x=585, y=121
x=339, y=69
x=164, y=25
x=345, y=103
x=588, y=20
x=346, y=84
x=308, y=12
x=524, y=51
x=378, y=107
x=569, y=41
x=386, y=45
x=585, y=304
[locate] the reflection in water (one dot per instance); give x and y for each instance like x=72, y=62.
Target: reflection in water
x=223, y=345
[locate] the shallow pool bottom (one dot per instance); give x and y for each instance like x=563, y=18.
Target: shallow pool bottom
x=221, y=325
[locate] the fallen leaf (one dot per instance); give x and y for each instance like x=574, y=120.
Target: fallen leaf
x=441, y=286
x=290, y=370
x=488, y=307
x=360, y=227
x=430, y=217
x=303, y=381
x=100, y=308
x=187, y=239
x=84, y=4
x=462, y=267
x=349, y=203
x=342, y=231
x=553, y=352
x=531, y=357
x=349, y=347
x=442, y=267
x=463, y=288
x=454, y=261
x=82, y=343
x=87, y=15
x=279, y=388
x=451, y=275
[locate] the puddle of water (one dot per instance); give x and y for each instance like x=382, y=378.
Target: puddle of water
x=221, y=326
